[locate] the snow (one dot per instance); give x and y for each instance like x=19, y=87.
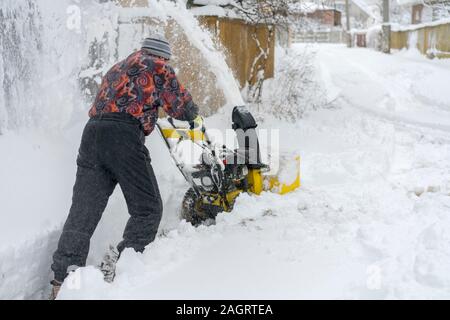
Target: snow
x=219, y=8
x=203, y=41
x=307, y=7
x=281, y=95
x=408, y=2
x=289, y=168
x=214, y=2
x=367, y=9
x=212, y=10
x=37, y=173
x=369, y=222
x=397, y=27
x=41, y=144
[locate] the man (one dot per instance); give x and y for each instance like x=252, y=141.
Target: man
x=112, y=152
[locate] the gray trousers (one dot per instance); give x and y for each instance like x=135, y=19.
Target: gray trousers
x=112, y=152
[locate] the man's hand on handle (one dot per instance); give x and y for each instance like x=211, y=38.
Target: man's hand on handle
x=196, y=123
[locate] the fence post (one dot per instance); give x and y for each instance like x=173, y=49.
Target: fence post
x=386, y=29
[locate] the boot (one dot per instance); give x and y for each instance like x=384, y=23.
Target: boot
x=108, y=266
x=56, y=287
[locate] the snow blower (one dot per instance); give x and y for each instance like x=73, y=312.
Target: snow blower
x=222, y=174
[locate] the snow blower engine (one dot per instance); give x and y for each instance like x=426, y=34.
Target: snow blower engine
x=222, y=174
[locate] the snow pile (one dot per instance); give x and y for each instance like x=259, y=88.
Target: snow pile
x=42, y=58
x=374, y=37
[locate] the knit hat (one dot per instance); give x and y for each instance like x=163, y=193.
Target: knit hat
x=158, y=45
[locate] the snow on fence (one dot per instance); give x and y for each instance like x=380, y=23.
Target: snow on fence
x=431, y=39
x=333, y=36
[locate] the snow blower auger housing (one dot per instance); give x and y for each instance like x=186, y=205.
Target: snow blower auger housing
x=222, y=174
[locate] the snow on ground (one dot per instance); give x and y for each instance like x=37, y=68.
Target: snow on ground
x=370, y=220
x=40, y=131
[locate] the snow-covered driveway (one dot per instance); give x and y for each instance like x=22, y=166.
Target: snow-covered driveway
x=372, y=217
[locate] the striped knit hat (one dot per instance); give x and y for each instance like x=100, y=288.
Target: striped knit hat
x=158, y=45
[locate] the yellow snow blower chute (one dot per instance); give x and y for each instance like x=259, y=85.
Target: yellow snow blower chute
x=223, y=174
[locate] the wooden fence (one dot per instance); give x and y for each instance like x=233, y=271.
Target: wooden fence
x=433, y=40
x=243, y=44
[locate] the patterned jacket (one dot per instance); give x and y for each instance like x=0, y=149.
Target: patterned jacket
x=140, y=85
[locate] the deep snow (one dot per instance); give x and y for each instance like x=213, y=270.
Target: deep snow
x=370, y=221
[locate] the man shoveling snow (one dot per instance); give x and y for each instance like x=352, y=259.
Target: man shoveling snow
x=113, y=152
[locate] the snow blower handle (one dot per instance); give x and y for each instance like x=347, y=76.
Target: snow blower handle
x=197, y=123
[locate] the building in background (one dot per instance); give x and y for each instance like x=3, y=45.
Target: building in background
x=316, y=15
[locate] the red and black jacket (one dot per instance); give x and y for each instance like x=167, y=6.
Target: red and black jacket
x=140, y=85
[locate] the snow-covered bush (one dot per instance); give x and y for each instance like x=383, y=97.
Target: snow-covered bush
x=294, y=90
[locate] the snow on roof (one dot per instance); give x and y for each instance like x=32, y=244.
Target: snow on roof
x=213, y=10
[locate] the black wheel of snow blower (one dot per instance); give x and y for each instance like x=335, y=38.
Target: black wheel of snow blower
x=194, y=212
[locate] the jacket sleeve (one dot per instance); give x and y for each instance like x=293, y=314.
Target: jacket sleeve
x=177, y=101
